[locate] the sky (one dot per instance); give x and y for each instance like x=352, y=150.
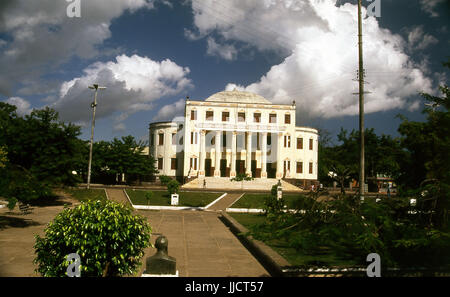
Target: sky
x=151, y=54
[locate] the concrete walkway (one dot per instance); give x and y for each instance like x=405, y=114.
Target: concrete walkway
x=202, y=245
x=117, y=195
x=225, y=202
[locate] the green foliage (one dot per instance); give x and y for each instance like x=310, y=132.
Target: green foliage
x=120, y=156
x=148, y=196
x=241, y=177
x=3, y=157
x=108, y=238
x=173, y=186
x=272, y=205
x=41, y=151
x=382, y=156
x=11, y=203
x=164, y=179
x=351, y=230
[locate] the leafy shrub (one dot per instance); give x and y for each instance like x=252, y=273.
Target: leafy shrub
x=108, y=238
x=164, y=179
x=148, y=196
x=241, y=177
x=173, y=186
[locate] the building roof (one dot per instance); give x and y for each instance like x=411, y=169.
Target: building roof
x=236, y=96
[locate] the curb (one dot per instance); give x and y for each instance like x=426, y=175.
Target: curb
x=271, y=260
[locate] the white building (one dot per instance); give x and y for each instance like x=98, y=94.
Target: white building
x=234, y=132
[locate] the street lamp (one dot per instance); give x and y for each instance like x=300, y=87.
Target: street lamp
x=93, y=105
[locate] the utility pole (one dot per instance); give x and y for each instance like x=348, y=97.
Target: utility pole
x=93, y=105
x=361, y=104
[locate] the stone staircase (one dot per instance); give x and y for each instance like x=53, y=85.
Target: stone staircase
x=225, y=183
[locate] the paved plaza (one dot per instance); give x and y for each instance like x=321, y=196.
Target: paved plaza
x=202, y=245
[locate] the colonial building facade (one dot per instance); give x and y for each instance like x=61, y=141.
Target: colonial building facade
x=235, y=132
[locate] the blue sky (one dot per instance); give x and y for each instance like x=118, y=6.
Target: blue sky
x=151, y=54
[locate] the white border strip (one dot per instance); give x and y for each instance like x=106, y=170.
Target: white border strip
x=106, y=193
x=209, y=205
x=245, y=210
x=129, y=200
x=156, y=207
x=258, y=210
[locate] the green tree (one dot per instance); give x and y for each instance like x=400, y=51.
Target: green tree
x=427, y=165
x=41, y=150
x=122, y=156
x=109, y=239
x=148, y=196
x=173, y=186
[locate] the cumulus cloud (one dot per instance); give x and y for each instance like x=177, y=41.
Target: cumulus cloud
x=41, y=37
x=132, y=85
x=319, y=40
x=23, y=106
x=170, y=111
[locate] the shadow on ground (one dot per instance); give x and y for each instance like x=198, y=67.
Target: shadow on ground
x=15, y=222
x=56, y=200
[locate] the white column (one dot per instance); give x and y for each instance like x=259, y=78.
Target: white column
x=201, y=172
x=233, y=155
x=279, y=157
x=264, y=155
x=218, y=154
x=248, y=167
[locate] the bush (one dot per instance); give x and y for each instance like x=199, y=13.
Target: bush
x=173, y=186
x=108, y=238
x=148, y=196
x=164, y=179
x=241, y=177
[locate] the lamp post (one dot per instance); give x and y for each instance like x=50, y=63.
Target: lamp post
x=93, y=105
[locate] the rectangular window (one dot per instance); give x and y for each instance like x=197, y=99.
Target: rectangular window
x=299, y=143
x=311, y=144
x=193, y=115
x=160, y=163
x=193, y=138
x=225, y=116
x=152, y=139
x=257, y=117
x=241, y=117
x=273, y=118
x=287, y=141
x=174, y=138
x=194, y=163
x=269, y=138
x=173, y=163
x=310, y=167
x=299, y=167
x=287, y=118
x=161, y=139
x=224, y=139
x=210, y=115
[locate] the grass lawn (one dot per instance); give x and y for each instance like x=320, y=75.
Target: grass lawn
x=162, y=198
x=324, y=257
x=257, y=200
x=87, y=195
